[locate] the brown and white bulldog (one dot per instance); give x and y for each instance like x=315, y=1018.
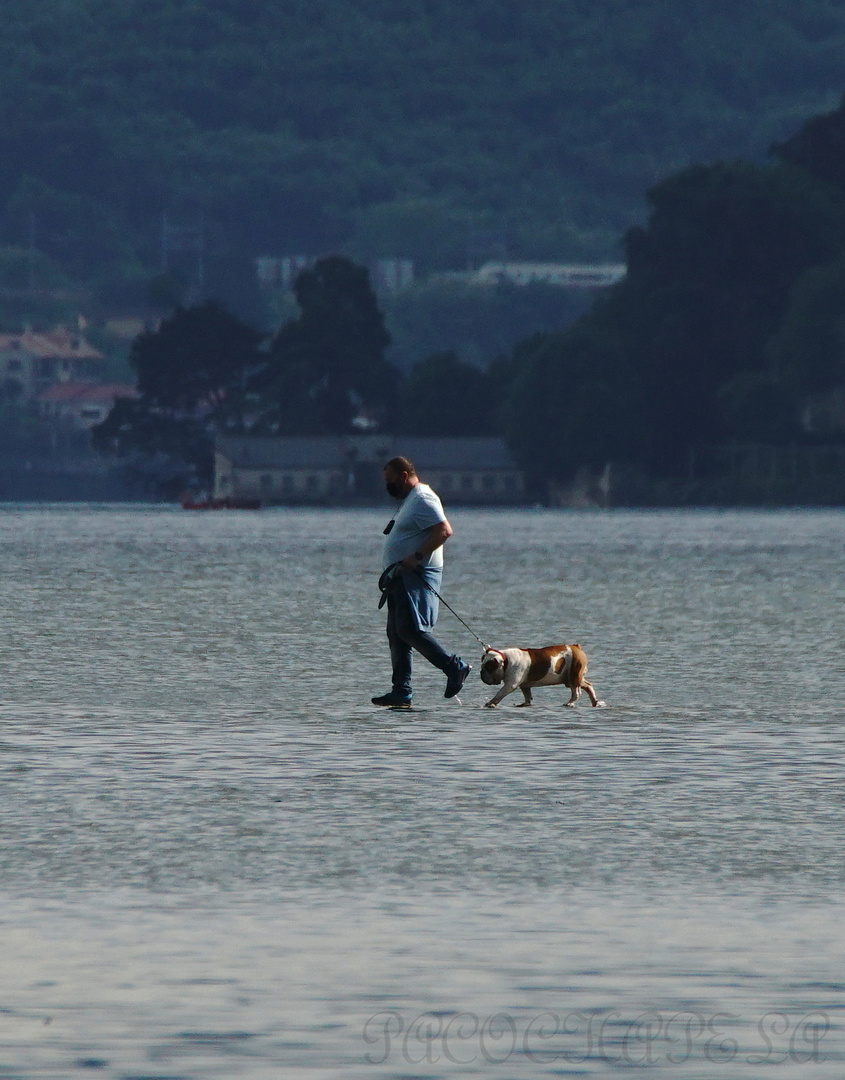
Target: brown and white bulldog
x=553, y=665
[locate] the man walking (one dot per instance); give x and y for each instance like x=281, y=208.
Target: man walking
x=414, y=549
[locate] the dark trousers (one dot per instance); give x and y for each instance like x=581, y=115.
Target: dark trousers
x=403, y=635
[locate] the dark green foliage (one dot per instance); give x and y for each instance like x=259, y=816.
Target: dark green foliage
x=197, y=361
x=161, y=452
x=478, y=322
x=679, y=353
x=819, y=147
x=446, y=396
x=574, y=399
x=727, y=328
x=191, y=375
x=395, y=128
x=327, y=367
x=808, y=350
x=757, y=407
x=204, y=372
x=707, y=284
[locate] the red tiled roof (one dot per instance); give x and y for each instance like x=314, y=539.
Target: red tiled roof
x=60, y=344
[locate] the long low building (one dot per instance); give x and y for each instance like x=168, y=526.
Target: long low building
x=333, y=470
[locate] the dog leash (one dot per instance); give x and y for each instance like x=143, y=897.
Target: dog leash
x=382, y=584
x=483, y=644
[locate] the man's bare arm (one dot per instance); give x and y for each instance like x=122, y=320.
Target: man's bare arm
x=436, y=537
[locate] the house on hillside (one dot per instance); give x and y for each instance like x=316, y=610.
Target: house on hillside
x=348, y=469
x=31, y=361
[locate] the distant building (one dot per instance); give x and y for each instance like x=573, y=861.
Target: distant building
x=128, y=327
x=344, y=469
x=34, y=360
x=387, y=276
x=391, y=276
x=82, y=405
x=281, y=272
x=564, y=275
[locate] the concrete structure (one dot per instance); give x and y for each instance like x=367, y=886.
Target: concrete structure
x=348, y=469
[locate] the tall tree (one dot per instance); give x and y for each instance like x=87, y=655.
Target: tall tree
x=708, y=280
x=574, y=398
x=444, y=395
x=677, y=353
x=198, y=360
x=327, y=367
x=808, y=349
x=192, y=373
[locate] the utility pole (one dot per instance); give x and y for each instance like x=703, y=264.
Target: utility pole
x=30, y=260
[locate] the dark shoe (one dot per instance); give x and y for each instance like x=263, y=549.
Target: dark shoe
x=456, y=678
x=393, y=700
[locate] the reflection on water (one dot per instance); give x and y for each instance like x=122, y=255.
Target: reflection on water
x=219, y=860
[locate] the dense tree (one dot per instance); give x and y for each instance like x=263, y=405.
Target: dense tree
x=191, y=375
x=573, y=399
x=446, y=396
x=161, y=452
x=707, y=282
x=678, y=353
x=196, y=362
x=808, y=349
x=326, y=368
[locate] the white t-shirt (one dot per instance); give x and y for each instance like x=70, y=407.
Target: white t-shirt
x=419, y=511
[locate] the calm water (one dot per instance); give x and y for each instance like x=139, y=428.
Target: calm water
x=217, y=859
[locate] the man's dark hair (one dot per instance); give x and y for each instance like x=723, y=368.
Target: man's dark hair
x=401, y=464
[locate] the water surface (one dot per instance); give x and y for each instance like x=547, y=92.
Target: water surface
x=219, y=860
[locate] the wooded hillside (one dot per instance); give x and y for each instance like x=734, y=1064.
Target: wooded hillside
x=421, y=128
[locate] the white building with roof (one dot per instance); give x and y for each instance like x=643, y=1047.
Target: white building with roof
x=564, y=275
x=348, y=468
x=34, y=360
